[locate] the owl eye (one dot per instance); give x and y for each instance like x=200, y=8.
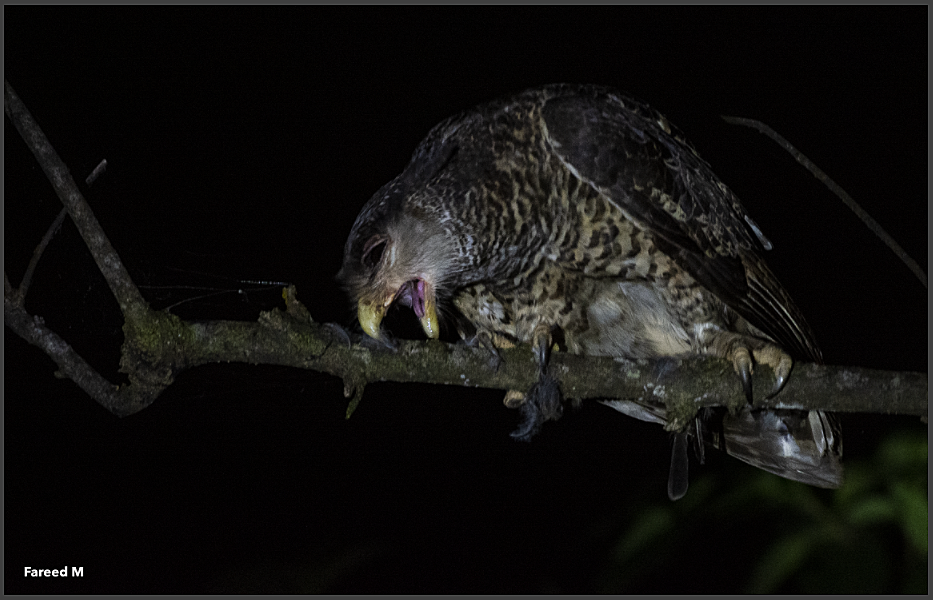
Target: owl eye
x=372, y=251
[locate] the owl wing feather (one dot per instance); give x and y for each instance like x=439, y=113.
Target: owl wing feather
x=641, y=163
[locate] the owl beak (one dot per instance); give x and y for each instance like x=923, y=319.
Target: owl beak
x=417, y=294
x=370, y=316
x=429, y=319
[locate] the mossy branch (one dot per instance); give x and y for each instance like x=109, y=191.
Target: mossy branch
x=153, y=356
x=158, y=346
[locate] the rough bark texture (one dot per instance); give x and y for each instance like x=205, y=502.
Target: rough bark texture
x=153, y=355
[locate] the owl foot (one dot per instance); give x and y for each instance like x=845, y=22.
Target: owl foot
x=746, y=351
x=769, y=354
x=491, y=343
x=779, y=361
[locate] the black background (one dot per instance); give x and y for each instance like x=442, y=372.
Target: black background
x=242, y=143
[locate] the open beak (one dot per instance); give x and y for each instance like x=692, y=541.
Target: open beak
x=429, y=320
x=418, y=294
x=370, y=316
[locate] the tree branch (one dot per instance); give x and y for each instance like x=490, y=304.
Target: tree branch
x=158, y=346
x=108, y=261
x=290, y=338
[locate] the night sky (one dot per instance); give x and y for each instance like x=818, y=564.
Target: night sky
x=241, y=144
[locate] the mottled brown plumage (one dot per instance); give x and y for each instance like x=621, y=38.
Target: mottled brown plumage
x=577, y=218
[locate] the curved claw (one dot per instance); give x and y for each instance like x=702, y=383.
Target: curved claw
x=541, y=346
x=742, y=362
x=746, y=377
x=778, y=360
x=779, y=382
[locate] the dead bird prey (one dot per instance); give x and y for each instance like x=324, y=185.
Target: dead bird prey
x=576, y=218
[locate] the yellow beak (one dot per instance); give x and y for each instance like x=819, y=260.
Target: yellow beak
x=429, y=321
x=371, y=315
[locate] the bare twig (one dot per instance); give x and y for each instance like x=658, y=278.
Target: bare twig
x=53, y=229
x=37, y=253
x=108, y=261
x=97, y=172
x=834, y=187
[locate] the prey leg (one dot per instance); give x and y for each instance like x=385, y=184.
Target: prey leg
x=490, y=343
x=542, y=403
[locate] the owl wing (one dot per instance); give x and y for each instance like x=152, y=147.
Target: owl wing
x=634, y=157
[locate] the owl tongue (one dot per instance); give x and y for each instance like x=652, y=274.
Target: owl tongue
x=419, y=296
x=412, y=295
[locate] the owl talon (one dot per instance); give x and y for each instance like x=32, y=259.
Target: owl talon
x=778, y=386
x=779, y=361
x=541, y=345
x=747, y=386
x=743, y=366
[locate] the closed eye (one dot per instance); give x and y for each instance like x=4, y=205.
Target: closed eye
x=372, y=251
x=450, y=156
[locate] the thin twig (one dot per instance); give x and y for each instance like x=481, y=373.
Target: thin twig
x=834, y=187
x=53, y=229
x=108, y=261
x=97, y=172
x=37, y=253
